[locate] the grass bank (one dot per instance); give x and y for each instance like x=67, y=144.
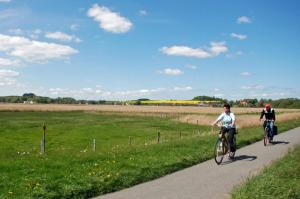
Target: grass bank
x=281, y=180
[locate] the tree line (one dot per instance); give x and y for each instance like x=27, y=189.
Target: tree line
x=32, y=98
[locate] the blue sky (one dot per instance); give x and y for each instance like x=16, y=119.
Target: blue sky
x=120, y=50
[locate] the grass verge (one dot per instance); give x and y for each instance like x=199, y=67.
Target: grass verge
x=281, y=180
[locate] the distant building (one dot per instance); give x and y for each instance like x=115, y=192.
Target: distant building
x=28, y=102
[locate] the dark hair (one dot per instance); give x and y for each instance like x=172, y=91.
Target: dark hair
x=226, y=105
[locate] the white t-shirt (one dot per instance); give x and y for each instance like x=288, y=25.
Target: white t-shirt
x=227, y=120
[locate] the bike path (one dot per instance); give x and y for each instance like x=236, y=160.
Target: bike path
x=209, y=180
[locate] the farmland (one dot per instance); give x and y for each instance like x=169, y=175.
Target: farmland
x=128, y=150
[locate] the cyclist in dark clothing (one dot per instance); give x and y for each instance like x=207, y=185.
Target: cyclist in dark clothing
x=269, y=114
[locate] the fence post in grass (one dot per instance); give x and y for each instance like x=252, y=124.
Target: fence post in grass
x=43, y=142
x=94, y=144
x=158, y=137
x=180, y=135
x=129, y=140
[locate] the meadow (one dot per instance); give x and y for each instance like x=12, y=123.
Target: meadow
x=127, y=150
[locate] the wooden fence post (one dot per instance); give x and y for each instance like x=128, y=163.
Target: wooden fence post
x=94, y=144
x=129, y=140
x=43, y=142
x=158, y=137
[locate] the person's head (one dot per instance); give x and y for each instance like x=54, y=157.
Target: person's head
x=226, y=108
x=267, y=106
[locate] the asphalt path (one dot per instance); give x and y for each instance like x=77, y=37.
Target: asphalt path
x=209, y=180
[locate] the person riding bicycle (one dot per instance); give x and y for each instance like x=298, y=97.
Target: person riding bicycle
x=269, y=114
x=228, y=125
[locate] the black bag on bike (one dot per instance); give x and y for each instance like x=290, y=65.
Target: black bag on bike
x=275, y=130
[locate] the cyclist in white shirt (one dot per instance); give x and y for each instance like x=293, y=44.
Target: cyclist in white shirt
x=228, y=125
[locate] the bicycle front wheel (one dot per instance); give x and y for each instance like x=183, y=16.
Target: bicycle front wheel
x=266, y=137
x=219, y=151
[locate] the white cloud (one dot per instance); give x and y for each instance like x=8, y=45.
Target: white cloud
x=171, y=71
x=219, y=95
x=143, y=12
x=238, y=36
x=62, y=36
x=218, y=48
x=16, y=31
x=109, y=21
x=74, y=27
x=8, y=77
x=34, y=51
x=186, y=88
x=216, y=89
x=8, y=13
x=243, y=20
x=255, y=86
x=185, y=51
x=215, y=49
x=7, y=62
x=5, y=1
x=246, y=74
x=191, y=66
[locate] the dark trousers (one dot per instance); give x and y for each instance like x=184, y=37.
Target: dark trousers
x=231, y=132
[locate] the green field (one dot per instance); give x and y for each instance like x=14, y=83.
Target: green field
x=71, y=169
x=281, y=180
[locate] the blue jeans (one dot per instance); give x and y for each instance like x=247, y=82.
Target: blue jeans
x=269, y=124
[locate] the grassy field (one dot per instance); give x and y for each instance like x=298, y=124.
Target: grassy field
x=281, y=180
x=71, y=169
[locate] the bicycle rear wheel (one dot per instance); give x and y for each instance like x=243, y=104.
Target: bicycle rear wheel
x=219, y=151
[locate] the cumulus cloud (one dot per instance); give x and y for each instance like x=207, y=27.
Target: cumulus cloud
x=8, y=13
x=62, y=37
x=143, y=12
x=7, y=62
x=109, y=21
x=186, y=88
x=171, y=71
x=74, y=27
x=255, y=86
x=34, y=51
x=191, y=66
x=16, y=31
x=215, y=49
x=8, y=77
x=238, y=36
x=246, y=74
x=243, y=20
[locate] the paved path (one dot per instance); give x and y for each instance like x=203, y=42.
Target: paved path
x=209, y=180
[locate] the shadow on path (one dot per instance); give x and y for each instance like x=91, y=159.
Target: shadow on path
x=240, y=157
x=279, y=142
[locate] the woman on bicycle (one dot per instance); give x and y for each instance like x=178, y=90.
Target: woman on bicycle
x=228, y=125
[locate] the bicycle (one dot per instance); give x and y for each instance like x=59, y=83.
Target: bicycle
x=222, y=148
x=268, y=134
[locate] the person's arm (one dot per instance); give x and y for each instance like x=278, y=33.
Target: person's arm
x=262, y=114
x=218, y=119
x=233, y=119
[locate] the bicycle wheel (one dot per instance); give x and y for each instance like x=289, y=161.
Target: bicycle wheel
x=266, y=137
x=219, y=151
